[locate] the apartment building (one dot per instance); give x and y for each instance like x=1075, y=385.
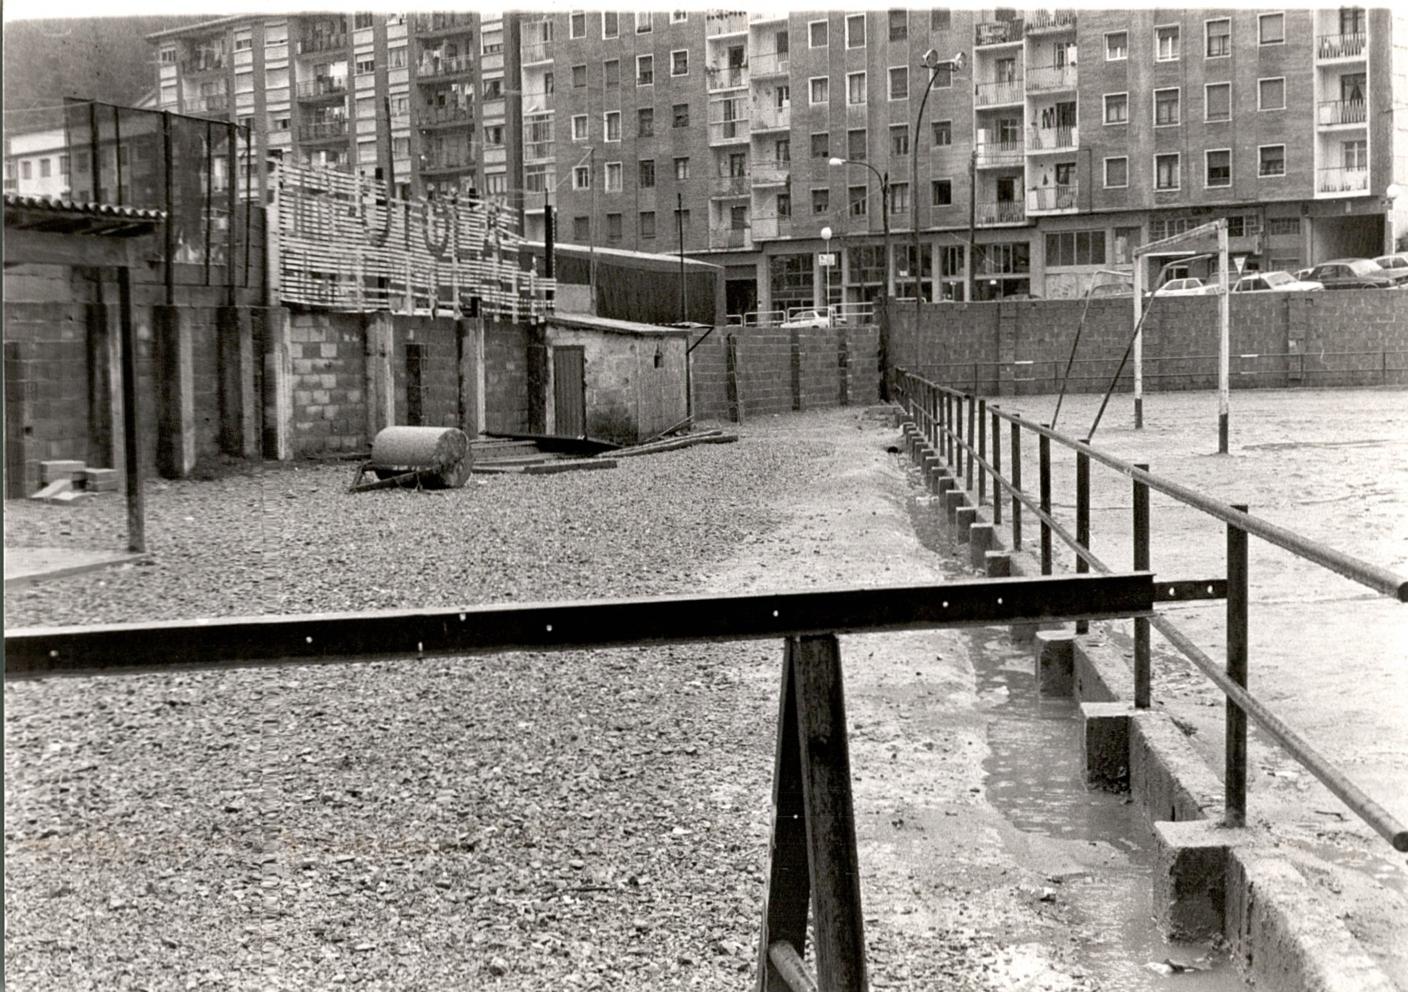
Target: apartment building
x=418, y=99
x=1060, y=141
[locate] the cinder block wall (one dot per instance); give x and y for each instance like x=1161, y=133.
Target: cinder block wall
x=505, y=378
x=440, y=380
x=327, y=358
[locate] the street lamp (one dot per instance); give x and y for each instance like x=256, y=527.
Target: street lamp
x=1393, y=192
x=884, y=345
x=933, y=63
x=826, y=276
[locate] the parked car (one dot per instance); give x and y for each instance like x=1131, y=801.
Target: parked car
x=1396, y=265
x=1274, y=282
x=1303, y=275
x=1186, y=287
x=1351, y=273
x=808, y=318
x=1112, y=289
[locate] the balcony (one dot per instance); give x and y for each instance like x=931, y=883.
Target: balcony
x=728, y=132
x=437, y=68
x=1342, y=180
x=538, y=137
x=442, y=116
x=1001, y=212
x=322, y=87
x=1050, y=78
x=999, y=154
x=768, y=16
x=203, y=60
x=333, y=130
x=771, y=173
x=537, y=181
x=997, y=32
x=317, y=43
x=729, y=187
x=536, y=51
x=446, y=160
x=213, y=103
x=1049, y=21
x=726, y=77
x=1333, y=47
x=1052, y=199
x=772, y=118
x=1053, y=139
x=426, y=24
x=999, y=93
x=766, y=65
x=730, y=237
x=725, y=22
x=1331, y=113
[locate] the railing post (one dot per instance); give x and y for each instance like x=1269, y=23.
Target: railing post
x=1142, y=660
x=981, y=424
x=1235, y=773
x=972, y=400
x=941, y=400
x=958, y=439
x=1016, y=433
x=1082, y=520
x=1043, y=448
x=996, y=467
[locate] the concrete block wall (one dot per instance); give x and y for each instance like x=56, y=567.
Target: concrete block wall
x=328, y=365
x=46, y=370
x=505, y=378
x=439, y=370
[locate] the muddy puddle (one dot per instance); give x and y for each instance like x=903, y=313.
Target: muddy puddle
x=1097, y=846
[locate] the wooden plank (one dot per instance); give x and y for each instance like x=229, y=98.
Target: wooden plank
x=788, y=893
x=568, y=465
x=830, y=816
x=389, y=634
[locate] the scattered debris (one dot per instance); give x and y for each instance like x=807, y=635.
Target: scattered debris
x=671, y=444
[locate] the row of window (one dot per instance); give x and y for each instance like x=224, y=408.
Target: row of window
x=611, y=22
x=1217, y=167
x=1217, y=102
x=1217, y=38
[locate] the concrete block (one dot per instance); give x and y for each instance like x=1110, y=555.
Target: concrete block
x=1054, y=651
x=1167, y=777
x=100, y=480
x=54, y=489
x=998, y=564
x=1190, y=877
x=953, y=499
x=963, y=519
x=980, y=538
x=1105, y=744
x=61, y=469
x=943, y=483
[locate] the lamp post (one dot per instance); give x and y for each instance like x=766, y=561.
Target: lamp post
x=1393, y=192
x=826, y=276
x=883, y=351
x=933, y=63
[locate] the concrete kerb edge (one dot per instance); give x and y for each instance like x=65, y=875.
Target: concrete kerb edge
x=1279, y=934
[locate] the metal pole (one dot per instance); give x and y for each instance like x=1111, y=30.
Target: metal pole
x=972, y=221
x=209, y=195
x=131, y=444
x=971, y=426
x=958, y=438
x=232, y=166
x=591, y=230
x=684, y=286
x=1044, y=482
x=1082, y=520
x=117, y=150
x=1016, y=433
x=883, y=347
x=914, y=202
x=248, y=200
x=1224, y=345
x=95, y=152
x=169, y=231
x=1138, y=342
x=996, y=467
x=1235, y=775
x=981, y=422
x=1142, y=659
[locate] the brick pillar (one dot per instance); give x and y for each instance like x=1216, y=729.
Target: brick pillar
x=176, y=405
x=470, y=335
x=380, y=347
x=539, y=379
x=21, y=476
x=235, y=351
x=102, y=365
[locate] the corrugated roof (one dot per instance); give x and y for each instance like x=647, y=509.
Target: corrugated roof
x=20, y=201
x=47, y=213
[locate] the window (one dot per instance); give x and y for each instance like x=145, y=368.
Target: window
x=1117, y=172
x=782, y=96
x=1351, y=20
x=1126, y=240
x=899, y=139
x=1166, y=43
x=25, y=169
x=167, y=56
x=44, y=167
x=493, y=88
x=855, y=31
x=1219, y=167
x=1271, y=161
x=899, y=25
x=821, y=200
x=899, y=198
x=682, y=219
x=821, y=144
x=365, y=66
x=1282, y=226
x=645, y=70
x=1116, y=108
x=899, y=83
x=611, y=72
x=680, y=113
x=581, y=177
x=1217, y=102
x=579, y=127
x=1116, y=46
x=682, y=167
x=613, y=177
x=819, y=89
x=738, y=217
x=645, y=122
x=781, y=44
x=579, y=76
x=679, y=16
x=494, y=134
x=1166, y=107
x=360, y=21
x=613, y=227
x=643, y=27
x=1271, y=29
x=939, y=19
x=63, y=163
x=738, y=164
x=679, y=62
x=612, y=122
x=857, y=197
x=1166, y=171
x=782, y=150
x=577, y=25
x=817, y=34
x=784, y=206
x=1219, y=38
x=855, y=88
x=610, y=24
x=855, y=145
x=943, y=133
x=1271, y=94
x=1354, y=154
x=941, y=192
x=647, y=223
x=1076, y=248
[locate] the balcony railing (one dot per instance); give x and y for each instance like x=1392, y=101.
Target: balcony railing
x=538, y=137
x=446, y=161
x=432, y=67
x=430, y=23
x=205, y=60
x=1001, y=212
x=1049, y=20
x=771, y=117
x=1053, y=139
x=322, y=130
x=994, y=94
x=537, y=51
x=1050, y=77
x=729, y=237
x=730, y=186
x=537, y=181
x=1340, y=46
x=768, y=64
x=997, y=32
x=315, y=43
x=1052, y=198
x=322, y=86
x=771, y=173
x=726, y=22
x=1342, y=180
x=436, y=116
x=778, y=13
x=999, y=153
x=727, y=132
x=214, y=103
x=1341, y=112
x=726, y=77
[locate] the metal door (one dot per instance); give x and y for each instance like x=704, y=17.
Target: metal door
x=569, y=391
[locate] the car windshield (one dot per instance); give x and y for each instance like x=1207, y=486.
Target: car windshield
x=1364, y=266
x=1278, y=278
x=1392, y=262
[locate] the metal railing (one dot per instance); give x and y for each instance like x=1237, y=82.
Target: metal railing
x=1341, y=180
x=435, y=116
x=765, y=64
x=725, y=132
x=1341, y=112
x=726, y=236
x=1001, y=212
x=434, y=67
x=321, y=86
x=725, y=22
x=1049, y=20
x=1339, y=46
x=997, y=92
x=1052, y=198
x=537, y=51
x=431, y=23
x=770, y=117
x=997, y=32
x=203, y=61
x=999, y=153
x=938, y=417
x=446, y=161
x=214, y=103
x=322, y=130
x=730, y=186
x=771, y=173
x=726, y=77
x=316, y=43
x=1050, y=77
x=1053, y=139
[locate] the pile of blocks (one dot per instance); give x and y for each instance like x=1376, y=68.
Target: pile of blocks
x=66, y=480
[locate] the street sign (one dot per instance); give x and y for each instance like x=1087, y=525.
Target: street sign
x=1239, y=260
x=826, y=258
